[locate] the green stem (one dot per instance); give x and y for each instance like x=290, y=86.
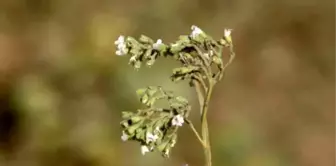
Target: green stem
x=205, y=129
x=196, y=133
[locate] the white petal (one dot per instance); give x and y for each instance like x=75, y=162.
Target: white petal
x=144, y=149
x=124, y=136
x=119, y=53
x=157, y=44
x=121, y=39
x=178, y=120
x=227, y=32
x=132, y=59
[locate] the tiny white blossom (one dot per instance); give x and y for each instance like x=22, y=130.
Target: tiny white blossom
x=120, y=40
x=124, y=136
x=227, y=32
x=157, y=44
x=144, y=149
x=173, y=143
x=121, y=45
x=151, y=138
x=195, y=31
x=178, y=120
x=167, y=152
x=211, y=52
x=132, y=59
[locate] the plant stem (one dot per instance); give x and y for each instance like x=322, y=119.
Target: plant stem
x=196, y=133
x=205, y=129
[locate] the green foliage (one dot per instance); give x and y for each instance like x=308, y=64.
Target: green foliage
x=152, y=122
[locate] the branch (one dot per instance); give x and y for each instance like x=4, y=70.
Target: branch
x=195, y=131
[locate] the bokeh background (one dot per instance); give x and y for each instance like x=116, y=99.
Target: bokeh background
x=62, y=88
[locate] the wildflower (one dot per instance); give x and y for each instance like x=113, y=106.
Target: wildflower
x=124, y=136
x=227, y=35
x=151, y=138
x=121, y=45
x=166, y=152
x=178, y=120
x=132, y=59
x=211, y=52
x=173, y=143
x=120, y=40
x=157, y=44
x=227, y=32
x=196, y=31
x=144, y=149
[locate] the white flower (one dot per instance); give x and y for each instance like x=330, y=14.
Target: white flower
x=178, y=120
x=121, y=45
x=173, y=143
x=121, y=52
x=195, y=31
x=166, y=152
x=132, y=59
x=144, y=149
x=157, y=44
x=211, y=52
x=151, y=138
x=227, y=36
x=227, y=32
x=124, y=136
x=120, y=40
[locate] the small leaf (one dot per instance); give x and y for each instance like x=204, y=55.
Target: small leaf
x=140, y=134
x=136, y=119
x=177, y=47
x=162, y=146
x=151, y=102
x=150, y=62
x=137, y=65
x=131, y=129
x=126, y=115
x=144, y=99
x=181, y=99
x=124, y=123
x=218, y=61
x=184, y=39
x=146, y=39
x=141, y=92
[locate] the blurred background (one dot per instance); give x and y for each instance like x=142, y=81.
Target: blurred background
x=62, y=88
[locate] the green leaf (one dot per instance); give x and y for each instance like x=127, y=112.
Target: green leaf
x=162, y=146
x=151, y=90
x=140, y=134
x=151, y=102
x=137, y=65
x=162, y=48
x=184, y=39
x=146, y=39
x=126, y=115
x=181, y=99
x=218, y=61
x=177, y=47
x=124, y=123
x=136, y=119
x=141, y=92
x=144, y=99
x=131, y=129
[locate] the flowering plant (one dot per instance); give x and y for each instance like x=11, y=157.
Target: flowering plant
x=202, y=66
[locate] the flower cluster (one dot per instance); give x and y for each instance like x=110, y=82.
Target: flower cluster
x=155, y=128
